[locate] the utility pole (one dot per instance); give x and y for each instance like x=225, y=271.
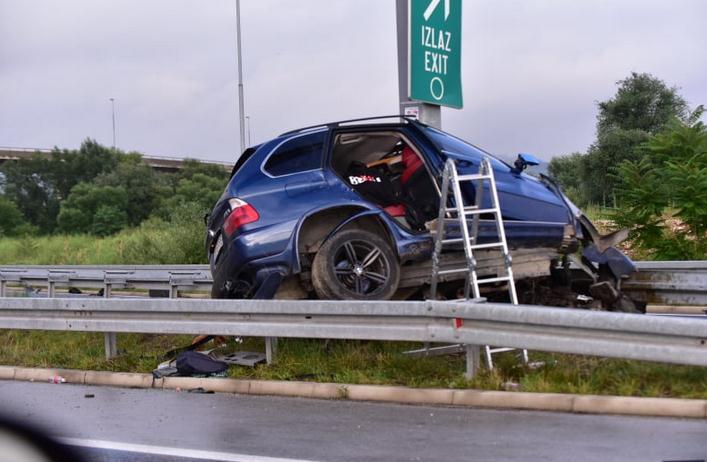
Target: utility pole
x=112, y=104
x=240, y=76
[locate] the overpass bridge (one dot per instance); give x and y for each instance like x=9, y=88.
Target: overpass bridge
x=164, y=164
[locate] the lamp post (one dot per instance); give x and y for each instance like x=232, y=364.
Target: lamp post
x=112, y=104
x=247, y=119
x=240, y=76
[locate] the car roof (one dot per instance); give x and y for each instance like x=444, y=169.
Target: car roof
x=404, y=120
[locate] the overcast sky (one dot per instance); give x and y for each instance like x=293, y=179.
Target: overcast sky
x=532, y=73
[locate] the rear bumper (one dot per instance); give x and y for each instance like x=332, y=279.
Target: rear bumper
x=238, y=274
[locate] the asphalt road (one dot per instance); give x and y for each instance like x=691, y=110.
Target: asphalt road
x=123, y=424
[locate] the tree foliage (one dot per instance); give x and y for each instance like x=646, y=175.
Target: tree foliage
x=568, y=172
x=80, y=211
x=28, y=185
x=642, y=102
x=642, y=106
x=12, y=222
x=664, y=193
x=142, y=185
x=99, y=190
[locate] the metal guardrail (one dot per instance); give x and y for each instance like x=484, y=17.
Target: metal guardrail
x=171, y=277
x=669, y=282
x=663, y=283
x=664, y=339
x=657, y=282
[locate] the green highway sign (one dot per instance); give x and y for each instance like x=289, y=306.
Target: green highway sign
x=435, y=30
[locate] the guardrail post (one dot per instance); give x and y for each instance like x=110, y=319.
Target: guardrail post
x=3, y=284
x=110, y=339
x=54, y=277
x=270, y=349
x=473, y=361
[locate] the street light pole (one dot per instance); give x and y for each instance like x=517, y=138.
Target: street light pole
x=112, y=104
x=247, y=119
x=240, y=76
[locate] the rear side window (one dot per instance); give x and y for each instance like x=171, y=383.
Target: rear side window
x=298, y=154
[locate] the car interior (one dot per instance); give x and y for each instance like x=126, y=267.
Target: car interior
x=389, y=171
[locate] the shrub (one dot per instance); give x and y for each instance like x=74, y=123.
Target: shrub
x=664, y=194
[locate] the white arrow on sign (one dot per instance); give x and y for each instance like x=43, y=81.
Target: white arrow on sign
x=433, y=6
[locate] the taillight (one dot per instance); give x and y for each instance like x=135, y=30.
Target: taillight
x=241, y=214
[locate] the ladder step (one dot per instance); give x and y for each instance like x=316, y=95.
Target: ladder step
x=473, y=177
x=453, y=271
x=479, y=211
x=486, y=246
x=490, y=280
x=470, y=210
x=458, y=240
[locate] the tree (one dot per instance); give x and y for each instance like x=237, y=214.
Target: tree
x=68, y=168
x=197, y=183
x=643, y=105
x=664, y=193
x=108, y=220
x=140, y=182
x=11, y=220
x=37, y=185
x=88, y=207
x=568, y=172
x=642, y=102
x=27, y=183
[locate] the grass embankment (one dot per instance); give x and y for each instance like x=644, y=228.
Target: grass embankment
x=154, y=242
x=367, y=363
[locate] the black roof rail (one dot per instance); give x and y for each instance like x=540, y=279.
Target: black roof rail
x=402, y=117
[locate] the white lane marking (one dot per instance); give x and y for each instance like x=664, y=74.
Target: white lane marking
x=176, y=452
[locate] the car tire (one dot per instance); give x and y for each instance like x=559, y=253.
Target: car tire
x=355, y=264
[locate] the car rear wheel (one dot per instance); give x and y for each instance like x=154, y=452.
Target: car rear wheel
x=355, y=264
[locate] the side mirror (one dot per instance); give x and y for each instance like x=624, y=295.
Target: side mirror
x=524, y=160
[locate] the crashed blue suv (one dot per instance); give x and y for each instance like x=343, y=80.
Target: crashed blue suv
x=344, y=211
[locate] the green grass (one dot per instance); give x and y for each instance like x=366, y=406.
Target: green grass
x=361, y=362
x=154, y=242
x=595, y=212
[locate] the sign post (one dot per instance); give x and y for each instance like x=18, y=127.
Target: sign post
x=429, y=57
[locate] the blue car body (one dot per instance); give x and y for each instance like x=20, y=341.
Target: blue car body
x=298, y=197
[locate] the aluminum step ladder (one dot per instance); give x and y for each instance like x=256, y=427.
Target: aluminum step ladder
x=452, y=208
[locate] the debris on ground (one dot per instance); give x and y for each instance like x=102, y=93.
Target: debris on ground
x=201, y=391
x=241, y=358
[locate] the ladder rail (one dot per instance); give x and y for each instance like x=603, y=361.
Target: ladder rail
x=471, y=282
x=502, y=234
x=439, y=237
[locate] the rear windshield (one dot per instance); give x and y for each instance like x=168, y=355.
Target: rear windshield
x=446, y=142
